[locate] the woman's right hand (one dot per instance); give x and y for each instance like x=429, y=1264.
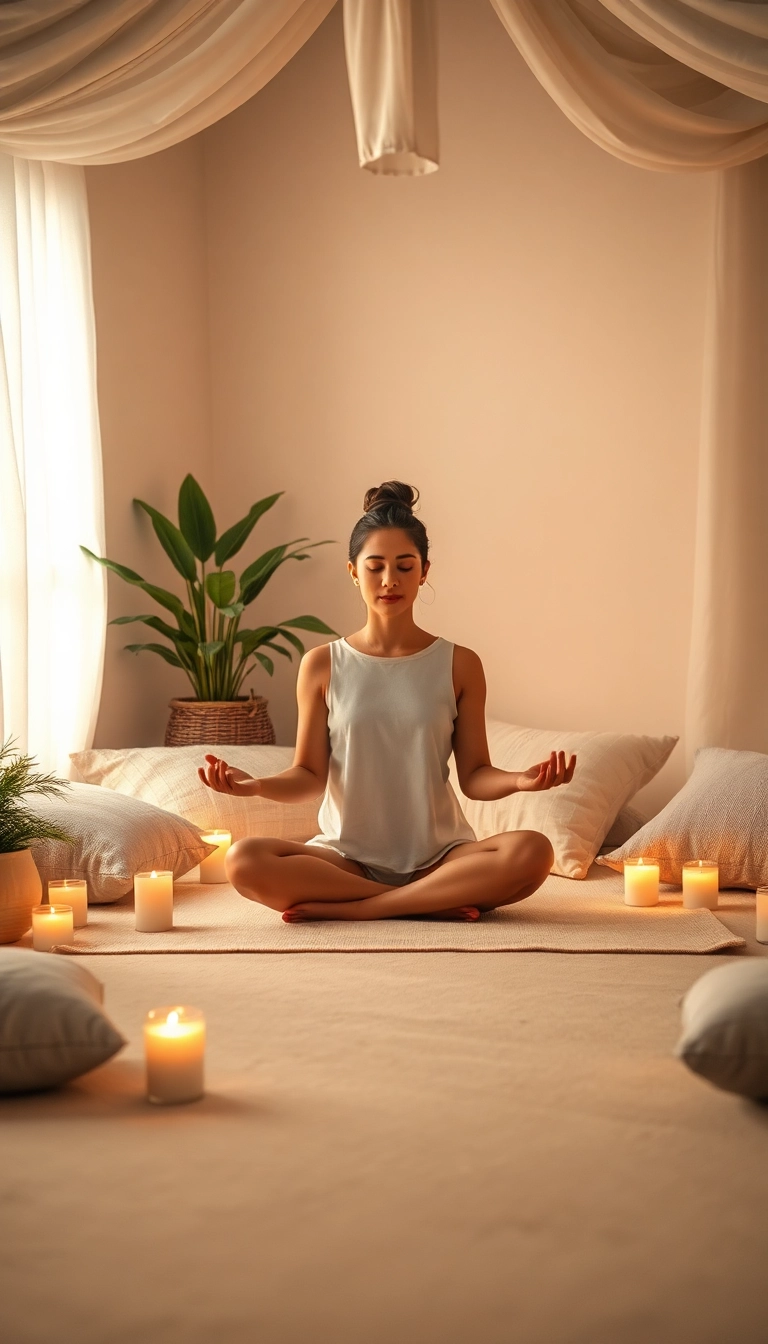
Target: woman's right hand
x=225, y=778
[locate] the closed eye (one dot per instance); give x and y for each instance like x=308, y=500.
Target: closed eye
x=401, y=569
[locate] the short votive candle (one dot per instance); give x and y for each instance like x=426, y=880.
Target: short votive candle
x=641, y=882
x=761, y=908
x=701, y=884
x=174, y=1048
x=212, y=868
x=71, y=891
x=52, y=926
x=153, y=901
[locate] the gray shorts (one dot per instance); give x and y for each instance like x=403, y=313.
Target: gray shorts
x=386, y=876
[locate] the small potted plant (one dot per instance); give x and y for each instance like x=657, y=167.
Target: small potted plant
x=207, y=640
x=20, y=885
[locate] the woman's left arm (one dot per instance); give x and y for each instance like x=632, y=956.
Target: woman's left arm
x=478, y=778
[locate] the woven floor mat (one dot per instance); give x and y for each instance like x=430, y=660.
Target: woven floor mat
x=563, y=916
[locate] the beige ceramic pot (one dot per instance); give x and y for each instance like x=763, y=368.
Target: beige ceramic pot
x=20, y=890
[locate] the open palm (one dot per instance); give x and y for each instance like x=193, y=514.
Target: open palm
x=223, y=778
x=547, y=774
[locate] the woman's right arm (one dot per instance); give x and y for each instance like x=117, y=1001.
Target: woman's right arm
x=306, y=778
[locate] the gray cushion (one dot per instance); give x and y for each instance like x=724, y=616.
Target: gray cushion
x=725, y=1028
x=115, y=837
x=720, y=813
x=52, y=1026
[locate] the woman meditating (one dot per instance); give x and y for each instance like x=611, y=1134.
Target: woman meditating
x=379, y=714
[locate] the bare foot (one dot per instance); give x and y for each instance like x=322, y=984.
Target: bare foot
x=365, y=909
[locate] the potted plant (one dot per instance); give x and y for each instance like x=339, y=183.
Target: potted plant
x=207, y=640
x=20, y=885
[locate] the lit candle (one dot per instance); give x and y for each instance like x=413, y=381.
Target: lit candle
x=212, y=868
x=701, y=884
x=153, y=901
x=72, y=891
x=174, y=1046
x=641, y=882
x=52, y=926
x=761, y=931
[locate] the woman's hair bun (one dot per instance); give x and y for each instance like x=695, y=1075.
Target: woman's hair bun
x=391, y=492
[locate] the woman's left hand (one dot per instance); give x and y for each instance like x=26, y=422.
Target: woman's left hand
x=548, y=774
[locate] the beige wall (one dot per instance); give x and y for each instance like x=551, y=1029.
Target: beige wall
x=151, y=324
x=520, y=335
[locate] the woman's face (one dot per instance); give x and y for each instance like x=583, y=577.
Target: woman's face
x=388, y=570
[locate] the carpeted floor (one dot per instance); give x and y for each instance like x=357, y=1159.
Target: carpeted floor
x=433, y=1148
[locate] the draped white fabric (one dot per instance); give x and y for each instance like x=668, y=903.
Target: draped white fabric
x=728, y=685
x=52, y=599
x=99, y=81
x=391, y=49
x=693, y=96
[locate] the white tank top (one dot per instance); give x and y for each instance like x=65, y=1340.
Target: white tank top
x=388, y=802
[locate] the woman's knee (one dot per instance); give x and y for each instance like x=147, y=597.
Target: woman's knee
x=248, y=864
x=529, y=855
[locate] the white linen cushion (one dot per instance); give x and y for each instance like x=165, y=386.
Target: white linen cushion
x=52, y=1026
x=720, y=813
x=725, y=1028
x=167, y=777
x=576, y=817
x=113, y=839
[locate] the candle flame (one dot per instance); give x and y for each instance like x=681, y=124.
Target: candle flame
x=153, y=873
x=701, y=863
x=173, y=1019
x=640, y=861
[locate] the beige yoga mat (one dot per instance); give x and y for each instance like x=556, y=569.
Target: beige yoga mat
x=563, y=916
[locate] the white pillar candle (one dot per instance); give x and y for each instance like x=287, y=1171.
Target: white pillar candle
x=212, y=868
x=52, y=926
x=153, y=901
x=174, y=1046
x=761, y=931
x=71, y=891
x=701, y=884
x=641, y=882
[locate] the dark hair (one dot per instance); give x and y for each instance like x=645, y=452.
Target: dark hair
x=390, y=505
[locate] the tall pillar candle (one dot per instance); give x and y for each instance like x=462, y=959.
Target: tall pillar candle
x=71, y=891
x=641, y=882
x=701, y=884
x=52, y=926
x=212, y=867
x=761, y=900
x=153, y=901
x=174, y=1047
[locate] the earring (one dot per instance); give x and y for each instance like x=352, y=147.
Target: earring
x=429, y=585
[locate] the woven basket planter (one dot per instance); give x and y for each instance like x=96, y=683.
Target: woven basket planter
x=241, y=722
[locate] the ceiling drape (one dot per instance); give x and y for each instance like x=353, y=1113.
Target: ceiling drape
x=100, y=81
x=695, y=96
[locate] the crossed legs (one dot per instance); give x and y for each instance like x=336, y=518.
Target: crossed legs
x=305, y=882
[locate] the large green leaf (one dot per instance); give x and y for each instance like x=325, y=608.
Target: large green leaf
x=160, y=649
x=263, y=562
x=266, y=662
x=294, y=640
x=185, y=646
x=220, y=587
x=230, y=542
x=253, y=639
x=159, y=595
x=233, y=610
x=211, y=648
x=278, y=648
x=196, y=519
x=312, y=623
x=172, y=542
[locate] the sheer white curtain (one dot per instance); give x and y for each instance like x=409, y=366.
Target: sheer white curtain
x=52, y=599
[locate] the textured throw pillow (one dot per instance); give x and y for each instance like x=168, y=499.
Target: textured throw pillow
x=624, y=827
x=167, y=777
x=725, y=1028
x=576, y=817
x=52, y=1027
x=114, y=838
x=720, y=813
